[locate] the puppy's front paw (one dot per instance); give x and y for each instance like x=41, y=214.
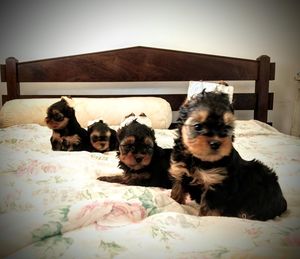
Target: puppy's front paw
x=178, y=194
x=178, y=197
x=104, y=178
x=112, y=179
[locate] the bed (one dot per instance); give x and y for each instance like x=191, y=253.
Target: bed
x=52, y=205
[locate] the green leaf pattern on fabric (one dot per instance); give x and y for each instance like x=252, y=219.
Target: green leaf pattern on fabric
x=59, y=214
x=144, y=196
x=49, y=229
x=53, y=247
x=112, y=248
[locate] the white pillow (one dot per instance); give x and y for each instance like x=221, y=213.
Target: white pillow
x=196, y=87
x=110, y=110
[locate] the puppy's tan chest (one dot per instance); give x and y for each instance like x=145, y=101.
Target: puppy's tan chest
x=209, y=177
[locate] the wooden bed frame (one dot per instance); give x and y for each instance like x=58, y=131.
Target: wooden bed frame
x=146, y=64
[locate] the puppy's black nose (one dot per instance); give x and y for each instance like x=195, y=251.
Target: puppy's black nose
x=138, y=159
x=214, y=144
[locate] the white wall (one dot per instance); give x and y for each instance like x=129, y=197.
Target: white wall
x=43, y=29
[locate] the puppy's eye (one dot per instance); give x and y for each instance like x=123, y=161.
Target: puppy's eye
x=147, y=149
x=225, y=132
x=199, y=128
x=99, y=138
x=94, y=138
x=127, y=148
x=143, y=149
x=58, y=117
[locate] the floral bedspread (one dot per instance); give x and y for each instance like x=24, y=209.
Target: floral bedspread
x=51, y=204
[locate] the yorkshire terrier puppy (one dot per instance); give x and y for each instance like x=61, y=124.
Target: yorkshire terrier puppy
x=67, y=134
x=205, y=165
x=102, y=137
x=144, y=163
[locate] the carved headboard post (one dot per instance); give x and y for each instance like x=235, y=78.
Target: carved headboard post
x=262, y=89
x=13, y=85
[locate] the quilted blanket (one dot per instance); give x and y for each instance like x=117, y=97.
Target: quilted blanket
x=52, y=205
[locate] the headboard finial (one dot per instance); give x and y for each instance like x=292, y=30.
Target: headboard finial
x=262, y=88
x=11, y=76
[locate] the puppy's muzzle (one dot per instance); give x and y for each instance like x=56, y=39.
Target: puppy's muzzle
x=214, y=144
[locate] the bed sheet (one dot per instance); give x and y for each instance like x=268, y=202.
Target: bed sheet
x=51, y=204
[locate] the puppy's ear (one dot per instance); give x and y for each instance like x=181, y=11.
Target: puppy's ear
x=183, y=111
x=222, y=83
x=129, y=115
x=185, y=102
x=68, y=100
x=231, y=108
x=113, y=141
x=153, y=134
x=89, y=128
x=203, y=94
x=119, y=134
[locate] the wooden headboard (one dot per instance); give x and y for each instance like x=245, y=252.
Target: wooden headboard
x=147, y=64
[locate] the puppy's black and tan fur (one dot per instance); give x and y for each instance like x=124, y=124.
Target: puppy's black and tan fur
x=144, y=163
x=102, y=137
x=67, y=134
x=206, y=166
